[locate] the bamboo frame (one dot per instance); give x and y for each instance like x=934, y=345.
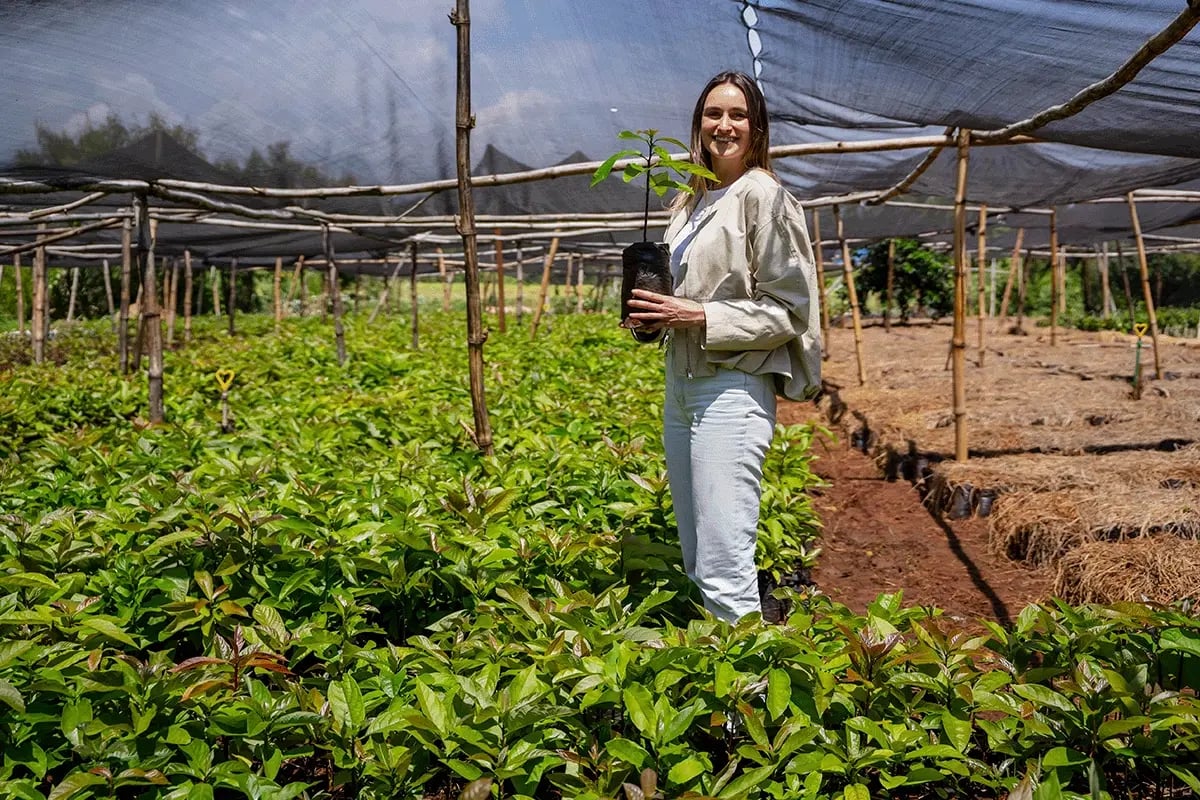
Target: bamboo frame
x=126, y=280
x=148, y=312
x=547, y=266
x=37, y=315
x=413, y=310
x=187, y=296
x=277, y=293
x=1054, y=287
x=19, y=288
x=1014, y=266
x=501, y=314
x=889, y=290
x=339, y=332
x=958, y=343
x=1144, y=269
x=981, y=255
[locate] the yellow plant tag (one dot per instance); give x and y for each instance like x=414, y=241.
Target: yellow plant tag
x=1139, y=329
x=224, y=379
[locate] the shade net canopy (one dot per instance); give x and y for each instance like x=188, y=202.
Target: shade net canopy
x=362, y=92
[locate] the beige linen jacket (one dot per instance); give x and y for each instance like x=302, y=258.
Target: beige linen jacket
x=751, y=265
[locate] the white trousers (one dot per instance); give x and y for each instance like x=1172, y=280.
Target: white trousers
x=716, y=432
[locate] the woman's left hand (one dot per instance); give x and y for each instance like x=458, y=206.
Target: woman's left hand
x=654, y=311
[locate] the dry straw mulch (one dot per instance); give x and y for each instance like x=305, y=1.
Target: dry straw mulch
x=1155, y=569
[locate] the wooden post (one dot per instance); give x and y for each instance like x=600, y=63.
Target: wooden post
x=74, y=294
x=982, y=256
x=823, y=296
x=889, y=293
x=37, y=319
x=464, y=121
x=1106, y=299
x=172, y=299
x=149, y=311
x=1014, y=266
x=1023, y=286
x=1062, y=281
x=215, y=281
x=412, y=298
x=547, y=266
x=108, y=295
x=520, y=286
x=231, y=296
x=383, y=295
x=357, y=287
x=501, y=312
x=1053, y=277
x=19, y=287
x=579, y=287
x=1125, y=284
x=126, y=280
x=278, y=293
x=187, y=296
x=339, y=333
x=294, y=284
x=1144, y=268
x=959, y=341
x=852, y=295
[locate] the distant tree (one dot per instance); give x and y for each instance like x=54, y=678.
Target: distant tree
x=63, y=149
x=922, y=279
x=279, y=169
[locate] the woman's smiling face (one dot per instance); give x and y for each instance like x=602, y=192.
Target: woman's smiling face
x=725, y=131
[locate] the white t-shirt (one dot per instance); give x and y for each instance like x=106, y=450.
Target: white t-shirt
x=684, y=236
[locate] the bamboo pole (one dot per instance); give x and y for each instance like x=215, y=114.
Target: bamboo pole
x=74, y=294
x=1144, y=268
x=231, y=296
x=149, y=311
x=520, y=286
x=339, y=332
x=188, y=278
x=1125, y=284
x=383, y=295
x=982, y=270
x=108, y=294
x=1014, y=266
x=172, y=301
x=1023, y=287
x=547, y=266
x=214, y=281
x=579, y=288
x=19, y=288
x=357, y=288
x=37, y=320
x=294, y=283
x=823, y=295
x=852, y=294
x=959, y=342
x=889, y=295
x=1062, y=280
x=501, y=312
x=278, y=293
x=1053, y=278
x=412, y=298
x=126, y=280
x=464, y=121
x=447, y=279
x=1106, y=299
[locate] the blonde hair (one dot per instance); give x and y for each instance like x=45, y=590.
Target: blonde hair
x=757, y=154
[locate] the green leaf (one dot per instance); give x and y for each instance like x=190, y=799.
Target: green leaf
x=604, y=169
x=27, y=580
x=1116, y=727
x=434, y=707
x=10, y=651
x=628, y=751
x=958, y=731
x=856, y=791
x=640, y=708
x=686, y=771
x=779, y=692
x=1064, y=757
x=163, y=542
x=73, y=784
x=11, y=697
x=1179, y=639
x=748, y=780
x=1187, y=776
x=109, y=629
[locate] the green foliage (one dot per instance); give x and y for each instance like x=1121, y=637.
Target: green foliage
x=922, y=281
x=63, y=149
x=343, y=597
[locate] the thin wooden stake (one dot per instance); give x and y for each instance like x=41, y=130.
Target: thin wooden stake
x=74, y=294
x=547, y=266
x=214, y=279
x=108, y=294
x=579, y=288
x=520, y=286
x=823, y=296
x=982, y=256
x=464, y=121
x=19, y=287
x=187, y=296
x=1144, y=268
x=339, y=333
x=37, y=322
x=1053, y=277
x=501, y=312
x=383, y=295
x=852, y=294
x=889, y=295
x=231, y=302
x=412, y=299
x=126, y=280
x=278, y=296
x=1106, y=299
x=1014, y=266
x=149, y=312
x=172, y=301
x=959, y=341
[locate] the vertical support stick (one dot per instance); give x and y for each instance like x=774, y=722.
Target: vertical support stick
x=1144, y=268
x=959, y=343
x=852, y=294
x=387, y=282
x=37, y=317
x=214, y=280
x=149, y=311
x=331, y=282
x=187, y=296
x=982, y=270
x=579, y=287
x=172, y=298
x=463, y=122
x=19, y=288
x=1014, y=266
x=447, y=279
x=412, y=299
x=126, y=279
x=520, y=286
x=547, y=266
x=1053, y=277
x=501, y=312
x=1106, y=299
x=278, y=297
x=231, y=301
x=889, y=291
x=74, y=294
x=108, y=294
x=824, y=297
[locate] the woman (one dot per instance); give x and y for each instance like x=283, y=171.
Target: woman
x=741, y=325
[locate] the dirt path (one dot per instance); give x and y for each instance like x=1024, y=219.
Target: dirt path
x=879, y=538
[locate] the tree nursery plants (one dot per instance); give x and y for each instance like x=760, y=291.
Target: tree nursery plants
x=341, y=597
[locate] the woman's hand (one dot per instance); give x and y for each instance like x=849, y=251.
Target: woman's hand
x=655, y=311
